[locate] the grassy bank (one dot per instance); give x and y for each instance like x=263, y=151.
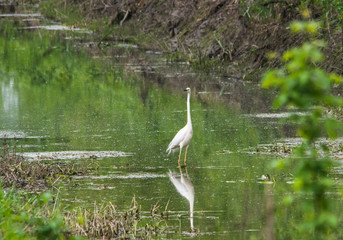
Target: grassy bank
x=237, y=38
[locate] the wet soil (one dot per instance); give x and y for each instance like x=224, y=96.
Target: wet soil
x=18, y=171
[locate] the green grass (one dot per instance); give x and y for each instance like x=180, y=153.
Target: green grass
x=30, y=216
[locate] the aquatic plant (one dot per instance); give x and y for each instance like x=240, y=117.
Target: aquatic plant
x=305, y=86
x=106, y=221
x=37, y=175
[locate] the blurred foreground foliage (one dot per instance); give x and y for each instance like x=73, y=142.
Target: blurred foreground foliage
x=30, y=216
x=303, y=86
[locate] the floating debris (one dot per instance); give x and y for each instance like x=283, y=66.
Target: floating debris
x=277, y=148
x=11, y=134
x=275, y=115
x=15, y=170
x=129, y=176
x=21, y=15
x=266, y=179
x=59, y=28
x=63, y=155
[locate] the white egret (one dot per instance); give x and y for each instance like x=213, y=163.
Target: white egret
x=184, y=136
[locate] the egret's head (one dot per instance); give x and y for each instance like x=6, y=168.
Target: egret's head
x=188, y=90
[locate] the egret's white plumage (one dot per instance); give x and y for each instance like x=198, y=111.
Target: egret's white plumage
x=184, y=136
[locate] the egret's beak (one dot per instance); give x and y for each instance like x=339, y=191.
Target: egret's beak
x=185, y=90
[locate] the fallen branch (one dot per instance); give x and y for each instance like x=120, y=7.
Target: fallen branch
x=126, y=14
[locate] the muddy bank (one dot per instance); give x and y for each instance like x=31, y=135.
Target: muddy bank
x=235, y=35
x=17, y=171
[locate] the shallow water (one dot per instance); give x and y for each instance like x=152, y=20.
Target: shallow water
x=121, y=108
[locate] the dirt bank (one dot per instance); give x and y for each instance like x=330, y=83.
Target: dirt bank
x=237, y=35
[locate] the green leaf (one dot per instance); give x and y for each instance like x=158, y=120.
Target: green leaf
x=272, y=79
x=312, y=27
x=280, y=101
x=333, y=127
x=46, y=197
x=297, y=26
x=336, y=79
x=288, y=200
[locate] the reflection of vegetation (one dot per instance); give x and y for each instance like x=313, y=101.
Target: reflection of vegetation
x=82, y=104
x=73, y=97
x=303, y=85
x=42, y=59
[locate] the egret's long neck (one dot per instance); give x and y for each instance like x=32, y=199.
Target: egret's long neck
x=188, y=109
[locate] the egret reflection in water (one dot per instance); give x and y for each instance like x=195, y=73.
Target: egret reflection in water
x=185, y=187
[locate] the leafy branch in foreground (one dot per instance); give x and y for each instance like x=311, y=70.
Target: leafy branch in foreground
x=306, y=87
x=30, y=216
